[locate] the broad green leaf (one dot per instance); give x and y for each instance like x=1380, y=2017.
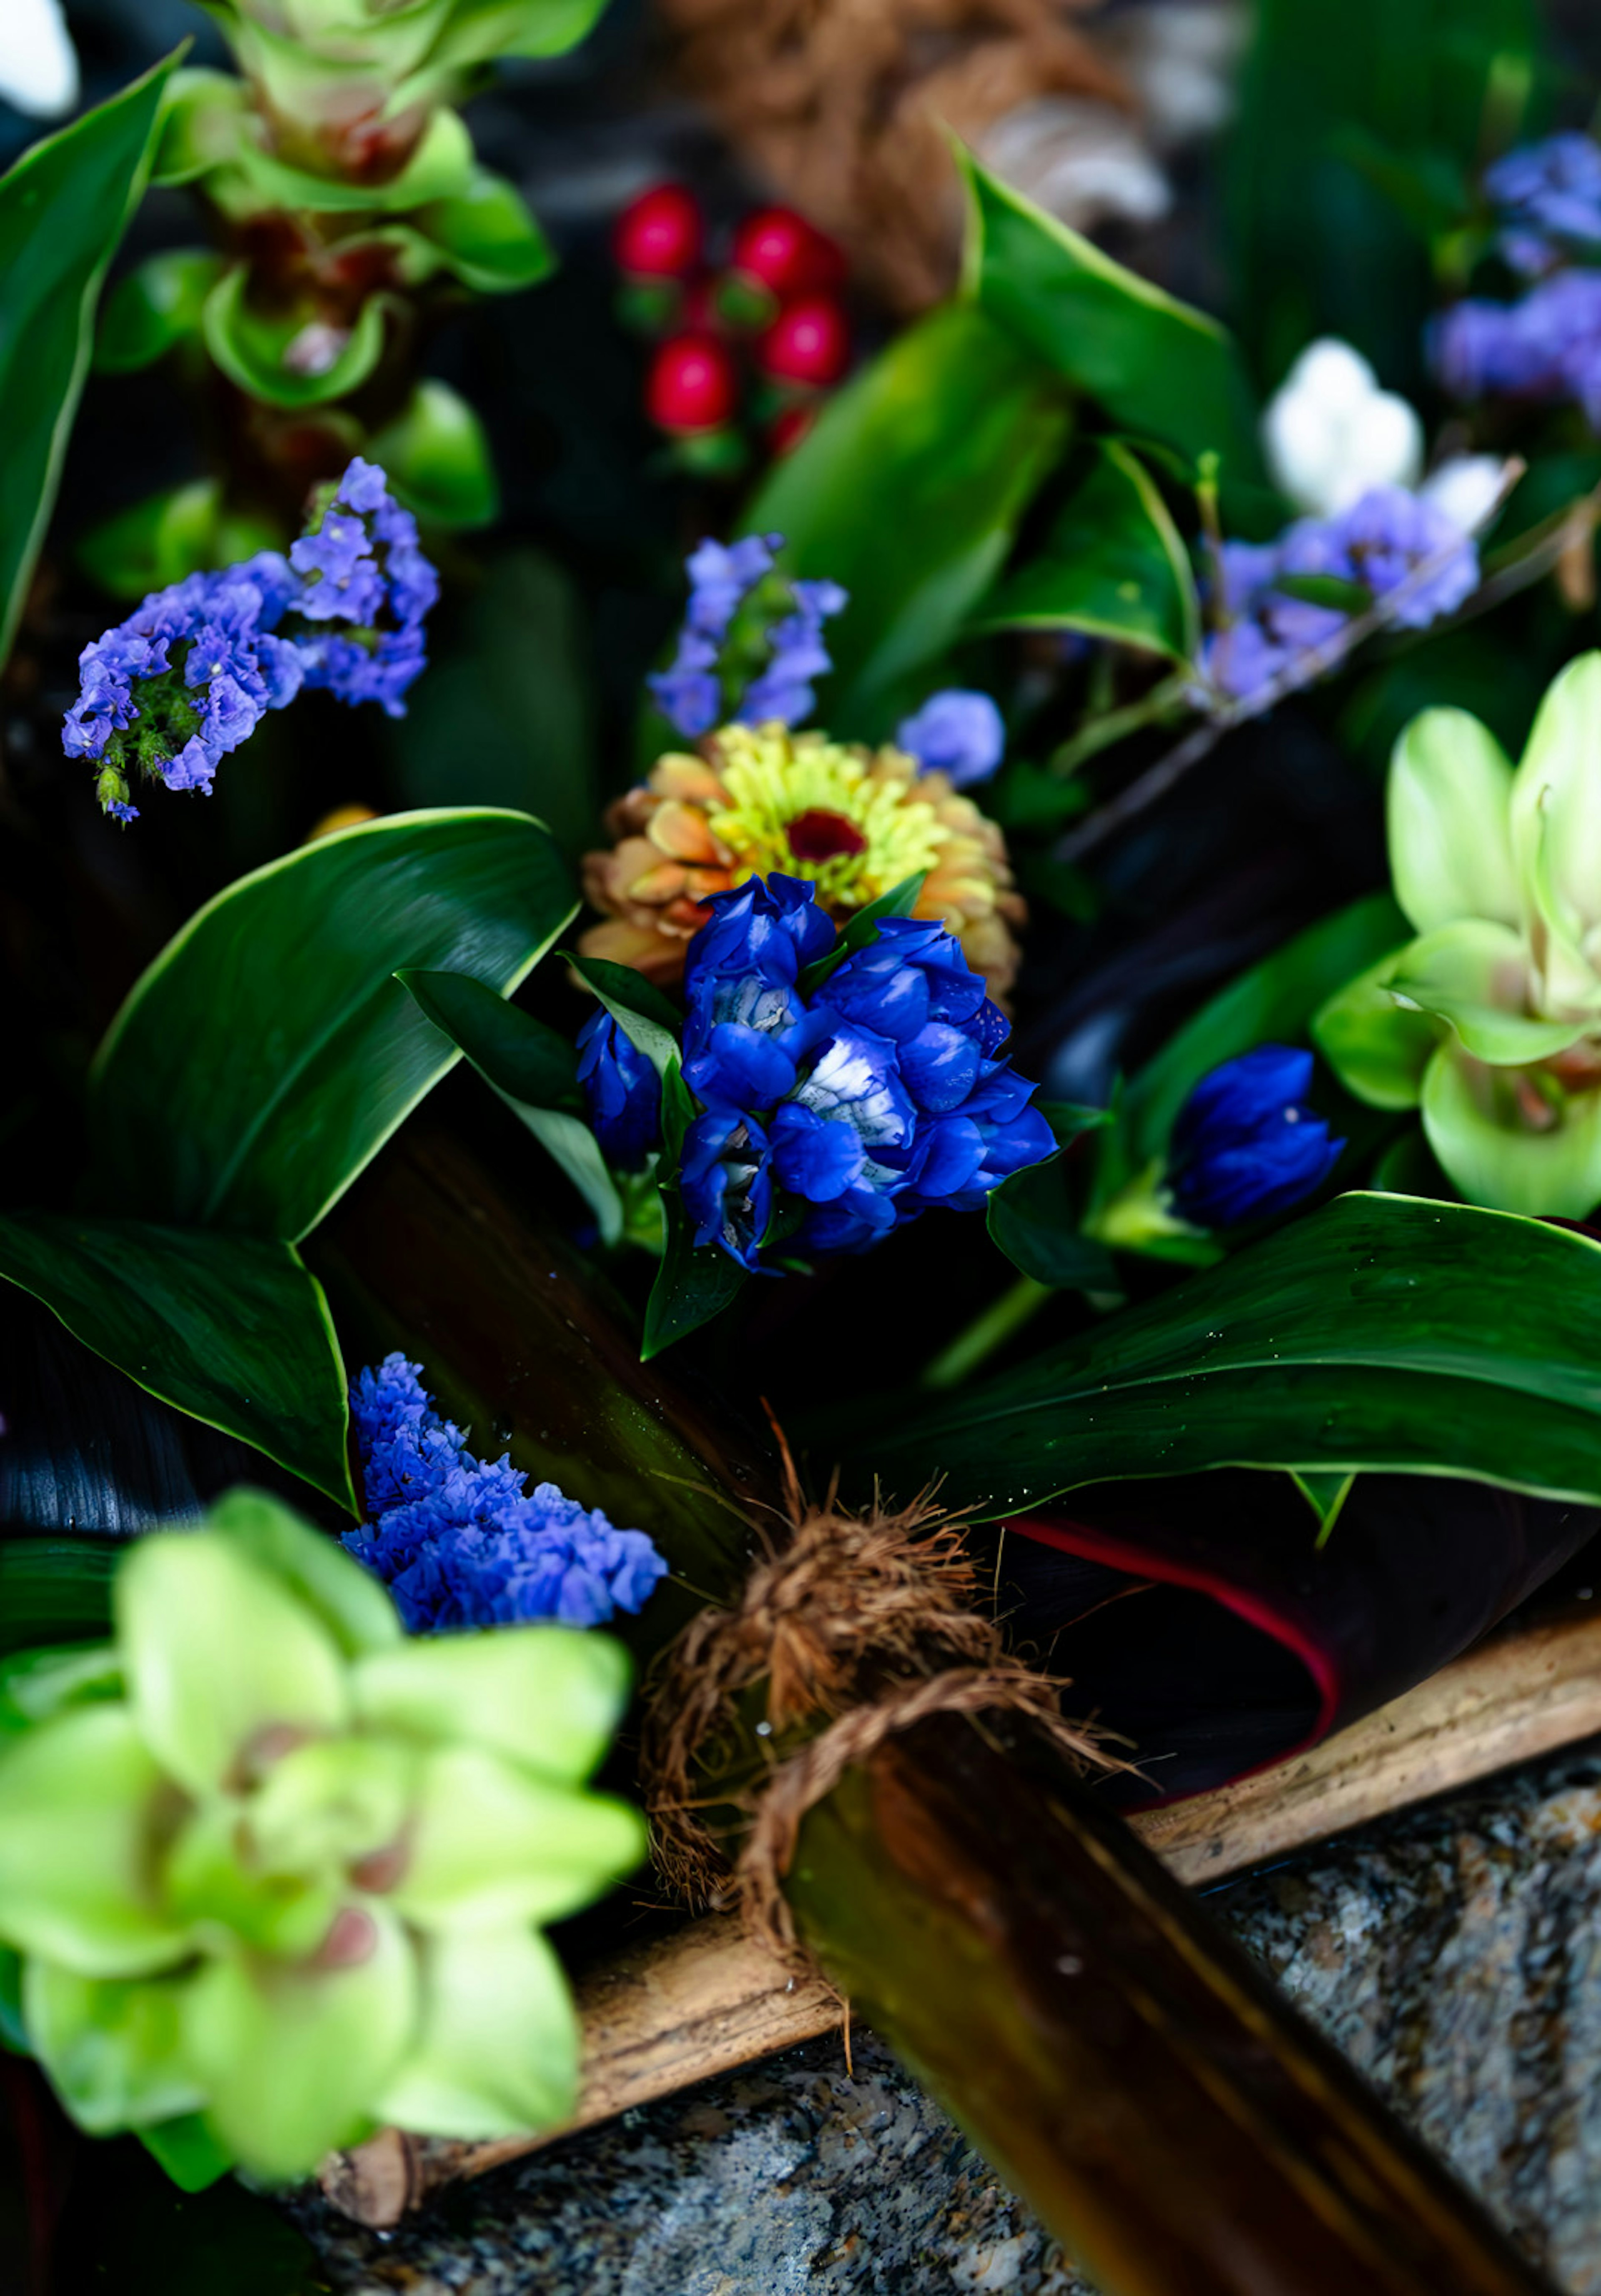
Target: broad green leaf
x=534, y=1070
x=155, y=308
x=1274, y=1002
x=694, y=1283
x=908, y=491
x=1113, y=566
x=637, y=1006
x=269, y=1051
x=64, y=208
x=1153, y=363
x=231, y=1329
x=56, y=1590
x=438, y=458
x=1382, y=1332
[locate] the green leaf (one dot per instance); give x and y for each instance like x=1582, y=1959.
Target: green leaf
x=1153, y=363
x=1326, y=1495
x=1383, y=1334
x=268, y=1052
x=1034, y=1220
x=438, y=459
x=63, y=210
x=1113, y=566
x=487, y=236
x=639, y=1009
x=54, y=1590
x=534, y=1070
x=909, y=490
x=168, y=535
x=155, y=308
x=1326, y=590
x=257, y=350
x=231, y=1329
x=694, y=1283
x=1274, y=1002
x=861, y=932
x=187, y=2149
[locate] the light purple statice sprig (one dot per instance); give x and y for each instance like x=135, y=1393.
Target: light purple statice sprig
x=700, y=689
x=193, y=672
x=1391, y=544
x=462, y=1543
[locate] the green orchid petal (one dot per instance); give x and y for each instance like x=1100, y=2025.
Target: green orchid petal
x=355, y=1607
x=1378, y=1050
x=111, y=2046
x=218, y=1651
x=336, y=1801
x=547, y=1696
x=293, y=2059
x=1472, y=1127
x=499, y=2048
x=491, y=1845
x=1449, y=807
x=1556, y=805
x=212, y=1884
x=1475, y=975
x=79, y=1797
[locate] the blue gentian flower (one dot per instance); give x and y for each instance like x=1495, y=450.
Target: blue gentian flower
x=689, y=693
x=1246, y=1144
x=190, y=675
x=956, y=732
x=854, y=1108
x=462, y=1543
x=1378, y=545
x=622, y=1090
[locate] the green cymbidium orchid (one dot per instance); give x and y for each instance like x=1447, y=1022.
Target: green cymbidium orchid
x=1490, y=1021
x=268, y=1863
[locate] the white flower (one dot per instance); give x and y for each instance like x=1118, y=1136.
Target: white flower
x=38, y=68
x=1330, y=433
x=1466, y=489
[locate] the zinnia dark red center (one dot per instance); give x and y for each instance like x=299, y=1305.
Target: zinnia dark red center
x=820, y=836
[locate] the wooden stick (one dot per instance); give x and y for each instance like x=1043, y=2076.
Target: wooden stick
x=707, y=2000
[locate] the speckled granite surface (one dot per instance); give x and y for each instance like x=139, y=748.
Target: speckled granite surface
x=1455, y=1952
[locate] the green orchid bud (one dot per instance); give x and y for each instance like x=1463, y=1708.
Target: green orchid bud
x=1490, y=1021
x=268, y=1863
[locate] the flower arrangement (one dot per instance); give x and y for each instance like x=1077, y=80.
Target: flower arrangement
x=964, y=908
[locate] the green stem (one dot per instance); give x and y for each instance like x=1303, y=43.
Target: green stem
x=978, y=1340
x=1152, y=708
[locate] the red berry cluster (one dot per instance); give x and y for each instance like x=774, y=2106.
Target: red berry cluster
x=773, y=307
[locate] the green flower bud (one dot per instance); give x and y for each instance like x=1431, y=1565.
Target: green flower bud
x=268, y=1863
x=1490, y=1021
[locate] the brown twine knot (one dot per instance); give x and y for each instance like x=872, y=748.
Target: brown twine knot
x=865, y=1618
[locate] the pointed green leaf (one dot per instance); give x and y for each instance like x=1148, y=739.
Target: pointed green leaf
x=188, y=2151
x=63, y=210
x=694, y=1283
x=1034, y=1219
x=1382, y=1332
x=234, y=1330
x=269, y=1051
x=639, y=1009
x=1113, y=566
x=909, y=490
x=1153, y=364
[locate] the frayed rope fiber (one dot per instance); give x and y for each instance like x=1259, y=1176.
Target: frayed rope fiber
x=864, y=1619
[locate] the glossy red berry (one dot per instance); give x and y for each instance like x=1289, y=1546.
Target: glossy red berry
x=789, y=256
x=659, y=235
x=692, y=385
x=809, y=342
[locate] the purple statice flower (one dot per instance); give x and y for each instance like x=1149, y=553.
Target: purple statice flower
x=362, y=569
x=1246, y=1144
x=956, y=732
x=190, y=675
x=1548, y=195
x=845, y=1110
x=689, y=693
x=622, y=1091
x=1546, y=347
x=783, y=694
x=462, y=1543
x=1377, y=546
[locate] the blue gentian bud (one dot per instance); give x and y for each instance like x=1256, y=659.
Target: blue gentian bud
x=623, y=1092
x=1246, y=1144
x=958, y=733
